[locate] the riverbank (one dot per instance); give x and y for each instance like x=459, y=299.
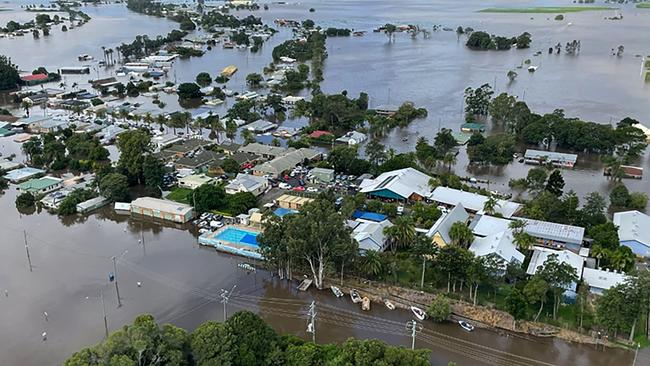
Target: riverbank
x=480, y=316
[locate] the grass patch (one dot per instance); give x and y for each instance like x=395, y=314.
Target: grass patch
x=643, y=6
x=547, y=9
x=181, y=195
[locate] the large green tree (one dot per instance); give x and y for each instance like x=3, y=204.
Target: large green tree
x=9, y=77
x=316, y=235
x=115, y=187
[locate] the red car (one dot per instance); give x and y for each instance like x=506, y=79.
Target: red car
x=299, y=188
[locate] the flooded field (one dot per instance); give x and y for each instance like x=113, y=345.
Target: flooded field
x=181, y=281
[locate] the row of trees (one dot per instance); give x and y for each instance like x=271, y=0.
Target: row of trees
x=484, y=41
x=243, y=339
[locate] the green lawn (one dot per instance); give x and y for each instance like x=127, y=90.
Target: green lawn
x=643, y=6
x=181, y=195
x=547, y=9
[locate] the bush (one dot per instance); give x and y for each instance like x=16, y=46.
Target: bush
x=440, y=309
x=638, y=201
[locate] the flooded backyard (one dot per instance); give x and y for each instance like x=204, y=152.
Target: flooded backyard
x=181, y=281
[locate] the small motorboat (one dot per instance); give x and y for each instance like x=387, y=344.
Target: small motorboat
x=354, y=295
x=419, y=313
x=337, y=291
x=389, y=304
x=365, y=304
x=532, y=68
x=465, y=325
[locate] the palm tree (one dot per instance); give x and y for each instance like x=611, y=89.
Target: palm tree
x=231, y=129
x=599, y=252
x=62, y=85
x=402, y=233
x=161, y=120
x=124, y=114
x=247, y=135
x=517, y=225
x=460, y=234
x=26, y=104
x=622, y=258
x=490, y=205
x=371, y=264
x=186, y=119
x=74, y=86
x=148, y=118
x=216, y=127
x=449, y=159
x=523, y=240
x=104, y=52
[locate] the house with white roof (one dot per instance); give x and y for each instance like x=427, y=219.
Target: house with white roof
x=600, y=280
x=352, y=138
x=548, y=234
x=370, y=234
x=473, y=202
x=540, y=255
x=403, y=184
x=634, y=231
x=439, y=232
x=247, y=183
x=501, y=244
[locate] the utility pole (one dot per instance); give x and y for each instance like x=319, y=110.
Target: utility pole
x=636, y=353
x=414, y=327
x=311, y=325
x=29, y=258
x=101, y=298
x=144, y=249
x=117, y=289
x=225, y=296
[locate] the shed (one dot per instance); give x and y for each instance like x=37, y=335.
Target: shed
x=322, y=175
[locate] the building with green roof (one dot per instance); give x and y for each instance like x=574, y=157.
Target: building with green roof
x=41, y=185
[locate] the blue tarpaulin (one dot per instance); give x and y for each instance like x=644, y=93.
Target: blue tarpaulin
x=370, y=216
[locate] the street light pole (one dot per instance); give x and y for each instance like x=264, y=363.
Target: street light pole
x=117, y=289
x=29, y=258
x=101, y=297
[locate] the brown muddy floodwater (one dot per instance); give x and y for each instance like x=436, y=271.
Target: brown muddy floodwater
x=181, y=283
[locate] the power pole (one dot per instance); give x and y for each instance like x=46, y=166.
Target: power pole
x=117, y=289
x=311, y=325
x=29, y=258
x=225, y=296
x=101, y=298
x=636, y=353
x=414, y=327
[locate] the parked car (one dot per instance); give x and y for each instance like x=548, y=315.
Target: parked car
x=312, y=189
x=400, y=210
x=299, y=188
x=443, y=209
x=284, y=185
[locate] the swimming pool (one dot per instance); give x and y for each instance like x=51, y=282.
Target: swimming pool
x=238, y=236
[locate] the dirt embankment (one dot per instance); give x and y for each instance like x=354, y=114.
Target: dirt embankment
x=480, y=316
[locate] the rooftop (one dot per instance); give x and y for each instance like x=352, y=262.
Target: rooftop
x=403, y=182
x=633, y=226
x=38, y=184
x=261, y=149
x=370, y=234
x=161, y=205
x=23, y=173
x=550, y=155
x=602, y=279
x=501, y=244
x=471, y=201
x=554, y=231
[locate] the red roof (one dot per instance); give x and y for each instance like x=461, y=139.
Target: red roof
x=319, y=133
x=35, y=77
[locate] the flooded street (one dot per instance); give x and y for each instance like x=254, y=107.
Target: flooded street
x=181, y=281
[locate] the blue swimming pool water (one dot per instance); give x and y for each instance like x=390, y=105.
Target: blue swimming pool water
x=239, y=236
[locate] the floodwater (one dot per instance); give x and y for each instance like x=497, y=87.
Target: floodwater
x=181, y=281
